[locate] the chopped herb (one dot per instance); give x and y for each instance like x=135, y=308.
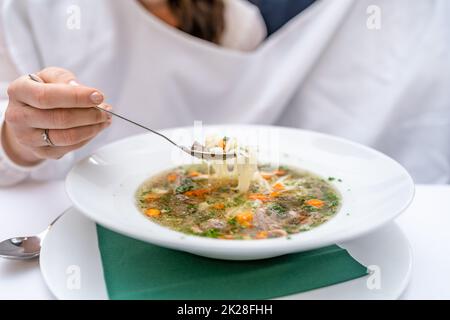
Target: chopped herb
x=237, y=201
x=301, y=199
x=277, y=208
x=310, y=208
x=332, y=199
x=211, y=233
x=166, y=209
x=333, y=203
x=233, y=222
x=192, y=208
x=183, y=188
x=186, y=185
x=224, y=189
x=331, y=178
x=330, y=196
x=165, y=200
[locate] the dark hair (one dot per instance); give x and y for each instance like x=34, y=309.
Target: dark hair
x=204, y=19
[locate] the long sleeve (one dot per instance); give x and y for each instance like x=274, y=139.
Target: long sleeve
x=11, y=173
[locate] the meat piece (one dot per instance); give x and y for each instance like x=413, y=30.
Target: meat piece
x=181, y=197
x=277, y=233
x=305, y=219
x=185, y=200
x=196, y=229
x=214, y=224
x=264, y=222
x=290, y=201
x=292, y=214
x=292, y=217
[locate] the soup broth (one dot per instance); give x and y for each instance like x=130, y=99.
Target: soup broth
x=279, y=202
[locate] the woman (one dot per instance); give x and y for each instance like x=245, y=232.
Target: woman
x=329, y=69
x=230, y=24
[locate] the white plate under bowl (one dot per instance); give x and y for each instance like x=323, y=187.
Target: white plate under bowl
x=375, y=188
x=72, y=268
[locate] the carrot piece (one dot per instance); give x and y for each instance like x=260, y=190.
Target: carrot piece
x=201, y=192
x=197, y=193
x=315, y=203
x=171, y=177
x=280, y=172
x=245, y=218
x=151, y=196
x=194, y=174
x=274, y=194
x=258, y=196
x=226, y=237
x=153, y=212
x=267, y=176
x=278, y=186
x=222, y=143
x=262, y=235
x=219, y=206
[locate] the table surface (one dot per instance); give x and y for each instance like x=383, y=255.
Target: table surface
x=27, y=209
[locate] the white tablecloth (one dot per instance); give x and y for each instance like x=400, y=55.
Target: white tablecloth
x=28, y=208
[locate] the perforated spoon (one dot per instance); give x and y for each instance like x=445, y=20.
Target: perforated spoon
x=196, y=150
x=24, y=248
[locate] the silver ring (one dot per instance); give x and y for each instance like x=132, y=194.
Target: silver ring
x=46, y=138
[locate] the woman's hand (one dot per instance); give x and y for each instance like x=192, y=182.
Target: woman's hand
x=60, y=105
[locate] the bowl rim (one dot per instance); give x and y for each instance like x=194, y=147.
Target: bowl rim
x=193, y=243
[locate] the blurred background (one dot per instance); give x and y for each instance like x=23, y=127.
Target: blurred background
x=375, y=72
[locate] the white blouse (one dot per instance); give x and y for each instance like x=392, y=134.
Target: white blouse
x=325, y=70
x=244, y=31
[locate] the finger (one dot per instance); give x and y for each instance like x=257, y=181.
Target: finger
x=56, y=152
x=57, y=118
x=65, y=137
x=56, y=75
x=53, y=95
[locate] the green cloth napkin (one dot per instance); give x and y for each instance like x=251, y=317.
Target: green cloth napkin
x=137, y=270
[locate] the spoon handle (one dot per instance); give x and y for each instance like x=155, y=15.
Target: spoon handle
x=137, y=124
x=191, y=151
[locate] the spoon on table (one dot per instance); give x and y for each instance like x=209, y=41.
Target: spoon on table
x=196, y=150
x=24, y=248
